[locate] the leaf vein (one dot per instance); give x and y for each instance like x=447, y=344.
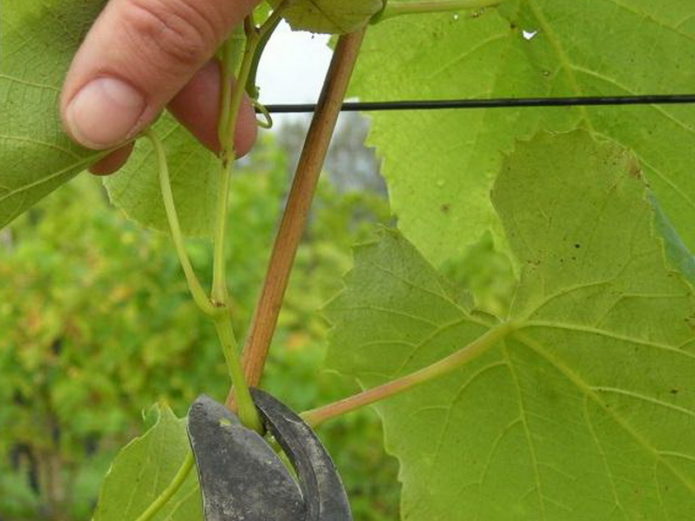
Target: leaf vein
x=637, y=396
x=583, y=387
x=529, y=439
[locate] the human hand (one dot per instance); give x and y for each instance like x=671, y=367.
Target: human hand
x=143, y=55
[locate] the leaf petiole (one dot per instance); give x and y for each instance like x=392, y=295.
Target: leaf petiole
x=440, y=368
x=226, y=130
x=246, y=409
x=230, y=55
x=227, y=126
x=274, y=19
x=199, y=296
x=264, y=32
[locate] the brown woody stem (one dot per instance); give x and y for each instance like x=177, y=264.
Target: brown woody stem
x=298, y=205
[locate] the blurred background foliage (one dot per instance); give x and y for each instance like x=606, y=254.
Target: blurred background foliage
x=96, y=324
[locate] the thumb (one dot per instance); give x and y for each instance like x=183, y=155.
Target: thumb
x=134, y=60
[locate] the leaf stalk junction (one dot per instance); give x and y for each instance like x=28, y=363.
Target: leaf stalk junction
x=216, y=306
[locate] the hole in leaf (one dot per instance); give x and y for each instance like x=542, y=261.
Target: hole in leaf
x=529, y=34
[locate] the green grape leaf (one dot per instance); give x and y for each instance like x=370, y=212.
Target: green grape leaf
x=440, y=165
x=135, y=188
x=37, y=41
x=585, y=410
x=144, y=468
x=329, y=16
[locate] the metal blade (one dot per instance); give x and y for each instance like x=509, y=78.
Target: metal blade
x=241, y=478
x=322, y=488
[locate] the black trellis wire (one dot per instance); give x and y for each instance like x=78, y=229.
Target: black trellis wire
x=583, y=101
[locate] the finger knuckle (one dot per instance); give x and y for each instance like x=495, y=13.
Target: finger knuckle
x=179, y=31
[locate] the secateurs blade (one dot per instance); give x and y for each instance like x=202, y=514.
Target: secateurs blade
x=241, y=476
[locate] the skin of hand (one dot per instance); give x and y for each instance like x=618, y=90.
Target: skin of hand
x=141, y=56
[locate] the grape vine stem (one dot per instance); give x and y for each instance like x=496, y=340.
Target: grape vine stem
x=298, y=205
x=444, y=366
x=229, y=117
x=228, y=120
x=223, y=324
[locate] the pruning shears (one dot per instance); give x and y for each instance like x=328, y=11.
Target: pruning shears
x=243, y=479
